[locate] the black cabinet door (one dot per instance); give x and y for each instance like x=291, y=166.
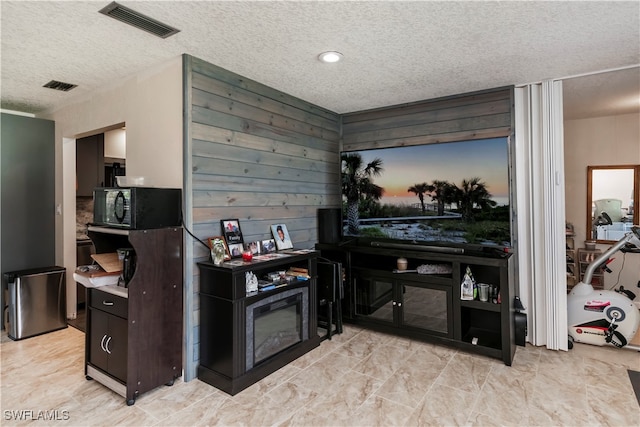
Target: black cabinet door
x=374, y=296
x=108, y=343
x=425, y=306
x=117, y=348
x=403, y=303
x=98, y=335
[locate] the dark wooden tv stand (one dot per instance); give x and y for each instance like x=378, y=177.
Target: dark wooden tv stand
x=428, y=306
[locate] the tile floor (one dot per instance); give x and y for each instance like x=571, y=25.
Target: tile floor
x=360, y=378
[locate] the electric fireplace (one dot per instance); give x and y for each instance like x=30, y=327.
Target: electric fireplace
x=276, y=323
x=244, y=335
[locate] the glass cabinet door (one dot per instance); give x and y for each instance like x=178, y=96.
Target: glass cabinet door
x=418, y=305
x=374, y=296
x=425, y=307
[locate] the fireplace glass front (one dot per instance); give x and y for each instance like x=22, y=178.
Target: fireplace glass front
x=275, y=324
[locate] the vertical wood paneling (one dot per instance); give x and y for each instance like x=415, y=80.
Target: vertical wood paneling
x=255, y=154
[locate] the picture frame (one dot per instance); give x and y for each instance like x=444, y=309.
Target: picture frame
x=254, y=247
x=236, y=250
x=232, y=233
x=281, y=236
x=227, y=254
x=267, y=246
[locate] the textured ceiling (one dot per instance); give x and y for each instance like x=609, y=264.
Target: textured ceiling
x=394, y=51
x=602, y=94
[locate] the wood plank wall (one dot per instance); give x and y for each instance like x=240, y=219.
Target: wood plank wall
x=255, y=154
x=478, y=115
x=260, y=156
x=264, y=157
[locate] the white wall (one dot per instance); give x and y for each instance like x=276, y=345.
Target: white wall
x=611, y=140
x=150, y=104
x=115, y=144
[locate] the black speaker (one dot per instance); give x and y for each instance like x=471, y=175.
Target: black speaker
x=520, y=320
x=329, y=225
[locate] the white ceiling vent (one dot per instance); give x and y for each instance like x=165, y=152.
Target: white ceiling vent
x=138, y=20
x=54, y=84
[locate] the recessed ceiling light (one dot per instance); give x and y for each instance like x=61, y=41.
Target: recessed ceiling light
x=330, y=56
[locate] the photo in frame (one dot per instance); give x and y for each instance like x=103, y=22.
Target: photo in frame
x=268, y=246
x=227, y=254
x=254, y=247
x=236, y=250
x=232, y=233
x=281, y=236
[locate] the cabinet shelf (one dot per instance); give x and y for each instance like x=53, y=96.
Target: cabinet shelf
x=275, y=290
x=481, y=305
x=483, y=337
x=585, y=257
x=571, y=257
x=441, y=279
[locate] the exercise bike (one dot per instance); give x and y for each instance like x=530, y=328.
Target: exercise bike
x=604, y=317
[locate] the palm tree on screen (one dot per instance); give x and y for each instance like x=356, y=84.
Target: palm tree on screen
x=473, y=193
x=357, y=184
x=442, y=193
x=420, y=190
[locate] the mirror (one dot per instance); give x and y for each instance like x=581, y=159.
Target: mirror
x=612, y=195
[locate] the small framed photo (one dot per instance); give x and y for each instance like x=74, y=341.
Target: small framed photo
x=227, y=254
x=254, y=247
x=268, y=246
x=281, y=236
x=236, y=250
x=231, y=232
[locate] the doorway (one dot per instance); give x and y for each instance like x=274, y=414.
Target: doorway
x=100, y=158
x=601, y=122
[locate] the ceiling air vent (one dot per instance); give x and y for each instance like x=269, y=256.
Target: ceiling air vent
x=138, y=20
x=54, y=84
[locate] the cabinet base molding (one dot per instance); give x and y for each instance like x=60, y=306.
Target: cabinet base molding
x=234, y=386
x=107, y=381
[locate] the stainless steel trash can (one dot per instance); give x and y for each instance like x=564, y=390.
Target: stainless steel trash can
x=36, y=301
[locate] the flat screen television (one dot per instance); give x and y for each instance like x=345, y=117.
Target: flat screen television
x=453, y=193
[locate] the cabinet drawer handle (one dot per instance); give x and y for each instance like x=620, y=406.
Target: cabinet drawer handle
x=107, y=303
x=106, y=345
x=102, y=343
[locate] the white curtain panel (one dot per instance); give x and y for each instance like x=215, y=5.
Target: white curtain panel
x=540, y=207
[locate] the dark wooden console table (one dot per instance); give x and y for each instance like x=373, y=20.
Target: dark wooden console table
x=228, y=358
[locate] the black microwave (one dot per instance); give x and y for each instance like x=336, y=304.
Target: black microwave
x=137, y=208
